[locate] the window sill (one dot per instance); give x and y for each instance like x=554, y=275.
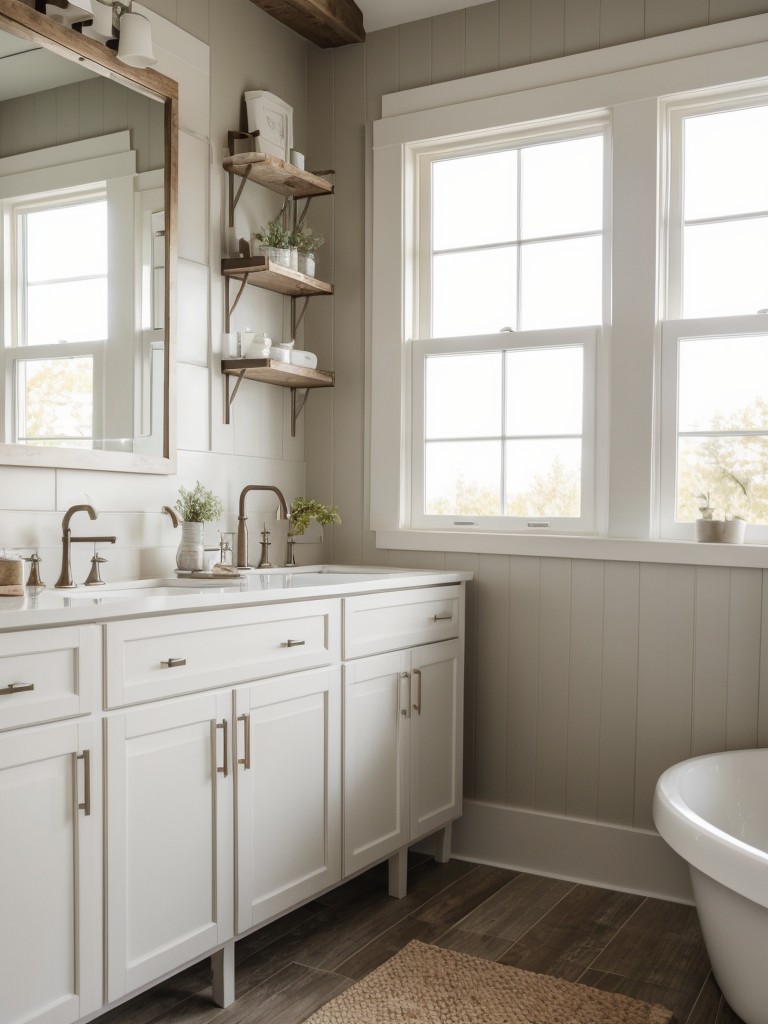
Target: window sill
x=611, y=549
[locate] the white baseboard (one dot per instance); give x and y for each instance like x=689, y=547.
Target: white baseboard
x=609, y=856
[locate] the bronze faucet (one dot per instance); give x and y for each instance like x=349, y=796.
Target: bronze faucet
x=67, y=540
x=242, y=529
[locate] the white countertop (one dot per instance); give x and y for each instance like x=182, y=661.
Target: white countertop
x=131, y=598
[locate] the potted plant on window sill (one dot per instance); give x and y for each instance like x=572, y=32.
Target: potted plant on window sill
x=196, y=508
x=709, y=530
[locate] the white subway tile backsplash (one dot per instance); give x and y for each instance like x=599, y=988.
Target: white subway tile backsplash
x=25, y=489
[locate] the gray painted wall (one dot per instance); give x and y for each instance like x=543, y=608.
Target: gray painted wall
x=585, y=679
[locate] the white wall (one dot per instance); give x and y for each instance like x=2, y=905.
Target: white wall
x=585, y=678
x=225, y=47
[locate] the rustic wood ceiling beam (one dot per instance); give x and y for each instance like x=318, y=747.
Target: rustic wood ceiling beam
x=324, y=22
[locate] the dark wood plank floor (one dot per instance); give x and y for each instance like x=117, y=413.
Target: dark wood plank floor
x=646, y=948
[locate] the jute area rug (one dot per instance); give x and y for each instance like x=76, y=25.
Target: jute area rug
x=429, y=985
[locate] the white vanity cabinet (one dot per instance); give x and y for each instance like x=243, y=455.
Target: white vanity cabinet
x=402, y=721
x=169, y=836
x=288, y=785
x=51, y=814
x=171, y=768
x=170, y=782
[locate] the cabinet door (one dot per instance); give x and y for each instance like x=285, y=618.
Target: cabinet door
x=288, y=792
x=169, y=837
x=50, y=874
x=376, y=738
x=436, y=739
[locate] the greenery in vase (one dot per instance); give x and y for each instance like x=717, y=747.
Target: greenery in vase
x=198, y=505
x=306, y=241
x=304, y=510
x=275, y=235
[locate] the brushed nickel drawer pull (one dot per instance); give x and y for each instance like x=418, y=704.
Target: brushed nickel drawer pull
x=404, y=710
x=12, y=688
x=225, y=726
x=442, y=618
x=245, y=761
x=293, y=643
x=173, y=663
x=417, y=694
x=85, y=757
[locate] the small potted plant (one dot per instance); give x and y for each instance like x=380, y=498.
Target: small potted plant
x=307, y=243
x=302, y=512
x=275, y=243
x=195, y=507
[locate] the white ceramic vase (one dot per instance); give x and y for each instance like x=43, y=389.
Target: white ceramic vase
x=191, y=554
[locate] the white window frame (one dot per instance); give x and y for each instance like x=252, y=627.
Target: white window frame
x=630, y=82
x=673, y=327
x=582, y=337
x=673, y=332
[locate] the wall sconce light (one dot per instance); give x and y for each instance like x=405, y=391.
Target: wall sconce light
x=113, y=22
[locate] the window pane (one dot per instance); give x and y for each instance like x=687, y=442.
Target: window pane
x=562, y=188
x=561, y=284
x=726, y=163
x=69, y=241
x=473, y=292
x=463, y=478
x=463, y=395
x=732, y=471
x=723, y=384
x=474, y=200
x=54, y=401
x=544, y=392
x=75, y=311
x=725, y=268
x=544, y=478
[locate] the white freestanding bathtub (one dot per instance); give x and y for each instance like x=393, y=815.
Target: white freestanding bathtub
x=713, y=811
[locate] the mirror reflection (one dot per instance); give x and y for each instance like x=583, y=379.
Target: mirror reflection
x=82, y=200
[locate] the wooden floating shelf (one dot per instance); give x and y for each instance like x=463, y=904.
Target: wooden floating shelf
x=263, y=273
x=277, y=175
x=274, y=371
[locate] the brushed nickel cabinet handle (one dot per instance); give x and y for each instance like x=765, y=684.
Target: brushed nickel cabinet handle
x=417, y=695
x=225, y=727
x=12, y=688
x=293, y=643
x=85, y=757
x=404, y=710
x=441, y=618
x=245, y=761
x=173, y=663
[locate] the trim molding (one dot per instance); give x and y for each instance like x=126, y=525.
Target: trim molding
x=608, y=856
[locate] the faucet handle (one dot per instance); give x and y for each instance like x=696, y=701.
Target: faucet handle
x=34, y=579
x=94, y=578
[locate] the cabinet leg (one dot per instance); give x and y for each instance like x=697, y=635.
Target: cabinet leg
x=398, y=874
x=443, y=844
x=223, y=964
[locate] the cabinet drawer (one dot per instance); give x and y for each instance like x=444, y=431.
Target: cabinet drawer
x=47, y=674
x=375, y=623
x=147, y=659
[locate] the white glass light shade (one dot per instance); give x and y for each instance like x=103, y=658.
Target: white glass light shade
x=135, y=46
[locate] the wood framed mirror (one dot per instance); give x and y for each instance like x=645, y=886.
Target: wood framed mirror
x=88, y=208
